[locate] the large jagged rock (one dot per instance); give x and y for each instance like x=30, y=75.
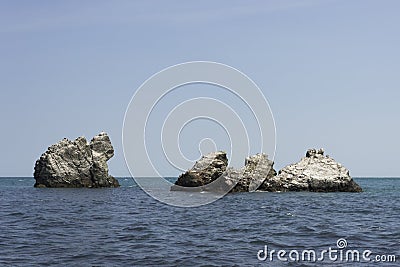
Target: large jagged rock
x=205, y=171
x=76, y=164
x=315, y=172
x=214, y=165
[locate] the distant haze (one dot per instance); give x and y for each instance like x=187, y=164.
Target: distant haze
x=329, y=70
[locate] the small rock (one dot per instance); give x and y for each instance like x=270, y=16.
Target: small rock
x=205, y=171
x=257, y=169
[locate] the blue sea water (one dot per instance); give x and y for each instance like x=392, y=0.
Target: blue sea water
x=126, y=227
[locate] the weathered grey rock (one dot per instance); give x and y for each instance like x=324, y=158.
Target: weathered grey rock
x=249, y=178
x=76, y=164
x=315, y=172
x=230, y=179
x=214, y=165
x=205, y=171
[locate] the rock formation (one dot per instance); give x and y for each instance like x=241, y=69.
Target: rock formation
x=257, y=168
x=76, y=164
x=204, y=171
x=214, y=165
x=315, y=172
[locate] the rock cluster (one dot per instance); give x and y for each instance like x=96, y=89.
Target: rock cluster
x=315, y=172
x=206, y=171
x=76, y=164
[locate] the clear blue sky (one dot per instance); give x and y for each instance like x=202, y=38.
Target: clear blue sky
x=329, y=69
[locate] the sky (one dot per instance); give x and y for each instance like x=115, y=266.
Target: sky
x=329, y=70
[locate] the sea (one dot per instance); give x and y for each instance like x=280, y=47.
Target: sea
x=126, y=227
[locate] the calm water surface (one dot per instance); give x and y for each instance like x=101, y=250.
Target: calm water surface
x=126, y=227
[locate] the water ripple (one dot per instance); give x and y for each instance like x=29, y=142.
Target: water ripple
x=125, y=227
